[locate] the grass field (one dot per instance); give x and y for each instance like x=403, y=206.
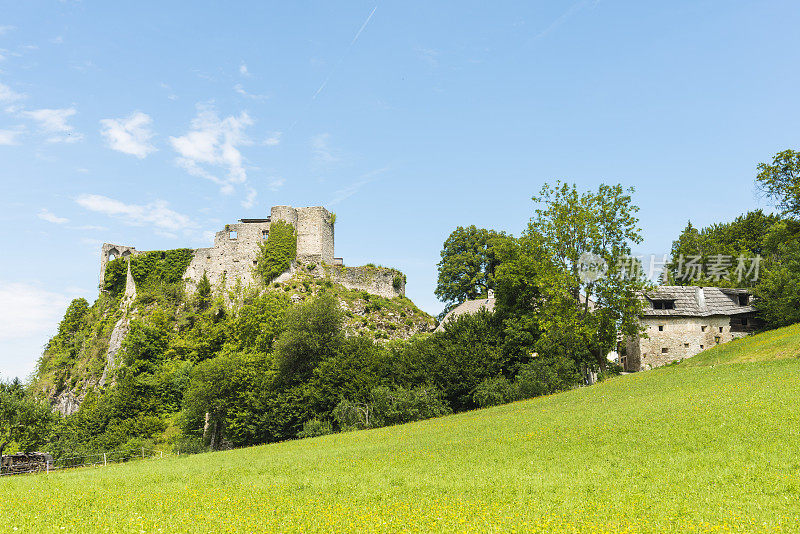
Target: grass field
x=695, y=447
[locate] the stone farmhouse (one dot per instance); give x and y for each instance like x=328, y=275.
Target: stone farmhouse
x=681, y=321
x=678, y=321
x=236, y=248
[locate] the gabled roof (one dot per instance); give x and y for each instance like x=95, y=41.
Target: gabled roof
x=694, y=301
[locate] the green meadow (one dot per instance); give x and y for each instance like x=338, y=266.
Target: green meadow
x=708, y=445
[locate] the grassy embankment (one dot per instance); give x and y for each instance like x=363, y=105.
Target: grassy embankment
x=695, y=447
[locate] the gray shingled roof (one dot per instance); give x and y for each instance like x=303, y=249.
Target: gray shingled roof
x=470, y=306
x=693, y=301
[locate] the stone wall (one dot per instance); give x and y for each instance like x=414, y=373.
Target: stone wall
x=375, y=280
x=675, y=338
x=236, y=248
x=109, y=252
x=232, y=257
x=314, y=231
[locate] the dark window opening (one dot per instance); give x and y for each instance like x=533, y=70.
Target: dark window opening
x=264, y=234
x=744, y=300
x=664, y=350
x=744, y=321
x=664, y=304
x=720, y=329
x=255, y=262
x=703, y=328
x=233, y=234
x=660, y=328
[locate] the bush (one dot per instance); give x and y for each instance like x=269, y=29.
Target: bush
x=543, y=376
x=391, y=406
x=494, y=391
x=398, y=280
x=315, y=427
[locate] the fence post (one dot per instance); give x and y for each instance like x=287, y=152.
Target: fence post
x=105, y=460
x=142, y=452
x=162, y=455
x=48, y=467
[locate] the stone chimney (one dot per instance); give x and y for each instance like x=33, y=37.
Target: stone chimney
x=701, y=298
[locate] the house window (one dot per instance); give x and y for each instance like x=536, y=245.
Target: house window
x=233, y=234
x=255, y=262
x=720, y=329
x=703, y=328
x=701, y=347
x=744, y=300
x=685, y=345
x=661, y=328
x=664, y=304
x=664, y=350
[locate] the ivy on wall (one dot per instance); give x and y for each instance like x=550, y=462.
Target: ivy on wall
x=151, y=271
x=277, y=254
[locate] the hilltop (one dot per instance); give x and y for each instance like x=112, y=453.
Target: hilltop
x=694, y=446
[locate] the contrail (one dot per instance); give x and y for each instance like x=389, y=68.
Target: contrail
x=363, y=26
x=336, y=67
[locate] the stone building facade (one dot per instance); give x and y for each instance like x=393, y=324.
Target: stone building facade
x=681, y=321
x=234, y=254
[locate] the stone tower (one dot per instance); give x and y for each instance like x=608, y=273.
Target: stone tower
x=314, y=228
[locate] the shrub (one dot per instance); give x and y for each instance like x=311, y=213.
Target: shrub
x=543, y=376
x=315, y=427
x=391, y=406
x=494, y=391
x=397, y=281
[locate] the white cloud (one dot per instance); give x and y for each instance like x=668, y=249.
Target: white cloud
x=274, y=139
x=46, y=215
x=239, y=89
x=5, y=29
x=54, y=121
x=243, y=69
x=156, y=214
x=28, y=317
x=214, y=143
x=322, y=150
x=9, y=137
x=28, y=310
x=8, y=95
x=276, y=183
x=130, y=135
x=250, y=201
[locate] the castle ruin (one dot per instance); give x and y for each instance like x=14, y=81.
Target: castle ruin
x=234, y=255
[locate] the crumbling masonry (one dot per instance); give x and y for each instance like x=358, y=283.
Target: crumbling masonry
x=236, y=247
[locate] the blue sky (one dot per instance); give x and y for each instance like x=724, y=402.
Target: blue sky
x=155, y=123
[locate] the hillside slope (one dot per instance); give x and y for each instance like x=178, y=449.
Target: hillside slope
x=779, y=344
x=678, y=449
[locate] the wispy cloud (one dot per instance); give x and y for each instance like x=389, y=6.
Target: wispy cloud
x=273, y=139
x=347, y=192
x=323, y=153
x=129, y=135
x=9, y=137
x=8, y=95
x=275, y=183
x=28, y=310
x=156, y=214
x=6, y=28
x=171, y=95
x=54, y=122
x=46, y=215
x=214, y=143
x=243, y=69
x=250, y=199
x=240, y=90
